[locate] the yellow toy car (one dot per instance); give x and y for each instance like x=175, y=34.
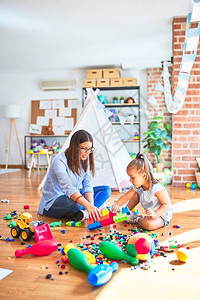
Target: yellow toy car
x=25, y=227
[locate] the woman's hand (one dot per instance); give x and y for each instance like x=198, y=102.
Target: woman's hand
x=115, y=208
x=151, y=213
x=93, y=211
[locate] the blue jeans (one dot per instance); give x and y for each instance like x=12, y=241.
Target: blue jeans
x=65, y=207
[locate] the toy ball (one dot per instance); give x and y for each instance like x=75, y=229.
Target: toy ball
x=193, y=186
x=141, y=246
x=188, y=185
x=182, y=254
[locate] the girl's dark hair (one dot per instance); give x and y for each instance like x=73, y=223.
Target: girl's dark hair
x=142, y=165
x=72, y=153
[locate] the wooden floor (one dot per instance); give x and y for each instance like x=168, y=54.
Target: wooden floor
x=28, y=280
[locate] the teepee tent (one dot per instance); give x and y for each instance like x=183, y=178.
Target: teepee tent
x=110, y=155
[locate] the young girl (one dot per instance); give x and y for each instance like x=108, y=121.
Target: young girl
x=69, y=171
x=149, y=192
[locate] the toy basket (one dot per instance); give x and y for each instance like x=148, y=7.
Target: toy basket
x=198, y=178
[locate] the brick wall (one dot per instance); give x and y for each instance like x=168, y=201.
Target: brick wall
x=186, y=123
x=153, y=77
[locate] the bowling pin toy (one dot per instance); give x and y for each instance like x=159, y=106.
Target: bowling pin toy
x=114, y=252
x=98, y=275
x=41, y=248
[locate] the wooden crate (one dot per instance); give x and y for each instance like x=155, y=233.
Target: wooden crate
x=89, y=83
x=116, y=82
x=130, y=81
x=103, y=82
x=111, y=73
x=94, y=74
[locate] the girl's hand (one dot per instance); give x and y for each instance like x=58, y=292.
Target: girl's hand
x=93, y=211
x=151, y=213
x=115, y=208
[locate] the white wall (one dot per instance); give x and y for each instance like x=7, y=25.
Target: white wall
x=21, y=88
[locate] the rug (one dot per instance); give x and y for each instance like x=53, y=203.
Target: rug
x=4, y=171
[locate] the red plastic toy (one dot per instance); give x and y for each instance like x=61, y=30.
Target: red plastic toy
x=39, y=249
x=43, y=232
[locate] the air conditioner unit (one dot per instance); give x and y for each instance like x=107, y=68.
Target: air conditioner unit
x=57, y=85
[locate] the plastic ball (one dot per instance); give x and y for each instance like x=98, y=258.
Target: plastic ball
x=188, y=185
x=141, y=246
x=193, y=186
x=182, y=254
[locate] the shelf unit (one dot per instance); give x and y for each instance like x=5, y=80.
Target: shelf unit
x=29, y=138
x=127, y=89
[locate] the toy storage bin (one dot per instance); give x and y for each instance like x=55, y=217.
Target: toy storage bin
x=94, y=74
x=111, y=73
x=116, y=82
x=89, y=83
x=103, y=82
x=130, y=81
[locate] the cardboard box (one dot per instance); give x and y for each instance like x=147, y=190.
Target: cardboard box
x=94, y=74
x=111, y=73
x=116, y=82
x=103, y=82
x=130, y=81
x=89, y=83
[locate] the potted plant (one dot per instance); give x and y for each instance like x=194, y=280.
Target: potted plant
x=121, y=99
x=115, y=99
x=157, y=139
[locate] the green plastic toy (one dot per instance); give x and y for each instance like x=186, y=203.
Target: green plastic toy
x=113, y=251
x=12, y=224
x=55, y=224
x=97, y=275
x=7, y=217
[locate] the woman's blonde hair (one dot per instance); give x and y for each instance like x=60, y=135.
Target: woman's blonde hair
x=141, y=164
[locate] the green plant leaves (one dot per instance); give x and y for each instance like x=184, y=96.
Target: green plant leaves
x=158, y=137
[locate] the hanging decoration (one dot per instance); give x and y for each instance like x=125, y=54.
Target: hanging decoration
x=190, y=44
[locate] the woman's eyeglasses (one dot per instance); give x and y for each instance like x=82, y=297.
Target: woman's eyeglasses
x=88, y=150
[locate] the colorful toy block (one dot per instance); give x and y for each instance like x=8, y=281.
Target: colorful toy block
x=94, y=225
x=135, y=210
x=120, y=217
x=105, y=212
x=125, y=210
x=90, y=257
x=73, y=224
x=108, y=219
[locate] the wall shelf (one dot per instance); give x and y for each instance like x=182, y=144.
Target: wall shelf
x=126, y=123
x=121, y=104
x=125, y=109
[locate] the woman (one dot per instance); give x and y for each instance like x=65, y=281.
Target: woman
x=69, y=171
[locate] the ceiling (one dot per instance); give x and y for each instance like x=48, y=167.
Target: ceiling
x=49, y=35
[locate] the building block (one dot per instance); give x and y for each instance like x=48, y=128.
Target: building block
x=108, y=219
x=125, y=210
x=95, y=225
x=90, y=257
x=73, y=224
x=105, y=212
x=135, y=210
x=120, y=217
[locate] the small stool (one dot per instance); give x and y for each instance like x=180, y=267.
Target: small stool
x=47, y=154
